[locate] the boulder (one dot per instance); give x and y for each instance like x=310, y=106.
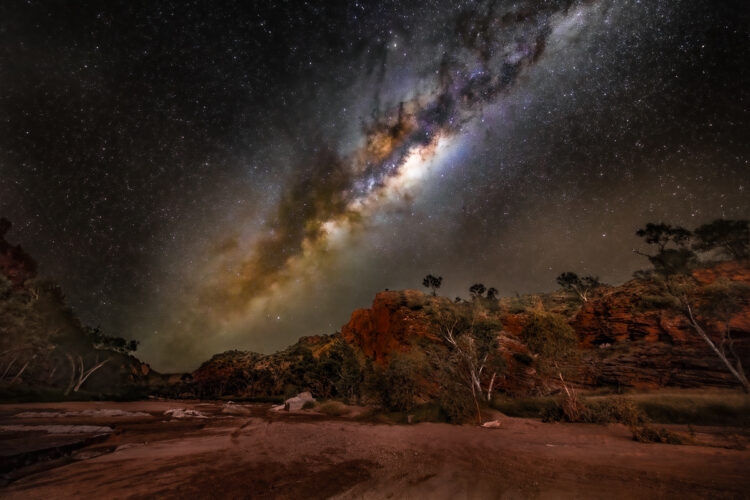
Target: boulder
x=297, y=402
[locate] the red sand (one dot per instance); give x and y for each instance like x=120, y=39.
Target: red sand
x=264, y=455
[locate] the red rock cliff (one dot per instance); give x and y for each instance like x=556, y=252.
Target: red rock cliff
x=647, y=347
x=393, y=322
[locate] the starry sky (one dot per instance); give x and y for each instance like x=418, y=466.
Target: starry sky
x=204, y=176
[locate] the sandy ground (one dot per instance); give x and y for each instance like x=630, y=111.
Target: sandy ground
x=244, y=451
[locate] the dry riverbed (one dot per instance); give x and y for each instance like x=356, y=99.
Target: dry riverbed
x=178, y=449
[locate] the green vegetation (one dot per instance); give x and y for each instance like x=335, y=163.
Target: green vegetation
x=330, y=408
x=394, y=386
x=469, y=364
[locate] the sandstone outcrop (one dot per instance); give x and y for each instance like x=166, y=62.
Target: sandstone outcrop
x=631, y=344
x=395, y=320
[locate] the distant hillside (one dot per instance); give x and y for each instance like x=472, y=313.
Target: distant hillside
x=626, y=337
x=45, y=351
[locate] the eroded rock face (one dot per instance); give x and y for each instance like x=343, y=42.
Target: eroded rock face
x=637, y=346
x=394, y=321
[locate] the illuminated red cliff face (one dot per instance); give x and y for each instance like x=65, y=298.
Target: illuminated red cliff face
x=395, y=320
x=624, y=343
x=617, y=316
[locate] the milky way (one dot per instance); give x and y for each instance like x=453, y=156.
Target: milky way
x=211, y=177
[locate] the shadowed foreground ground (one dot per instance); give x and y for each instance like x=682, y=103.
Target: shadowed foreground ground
x=243, y=451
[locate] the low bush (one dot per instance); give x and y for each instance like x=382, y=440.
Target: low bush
x=605, y=411
x=730, y=411
x=333, y=409
x=308, y=405
x=648, y=434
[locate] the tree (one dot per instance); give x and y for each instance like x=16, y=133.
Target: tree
x=347, y=370
x=731, y=237
x=582, y=286
x=396, y=385
x=477, y=290
x=472, y=352
x=667, y=261
x=106, y=342
x=662, y=235
x=433, y=282
x=554, y=343
x=492, y=293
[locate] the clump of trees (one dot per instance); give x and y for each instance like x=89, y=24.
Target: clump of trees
x=395, y=385
x=470, y=365
x=42, y=343
x=707, y=308
x=730, y=238
x=554, y=345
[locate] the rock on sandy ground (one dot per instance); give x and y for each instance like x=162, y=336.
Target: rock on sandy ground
x=297, y=455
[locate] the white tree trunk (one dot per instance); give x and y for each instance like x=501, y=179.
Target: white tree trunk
x=738, y=374
x=86, y=374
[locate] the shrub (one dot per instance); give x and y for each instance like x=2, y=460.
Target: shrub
x=395, y=386
x=333, y=409
x=308, y=405
x=616, y=409
x=647, y=434
x=456, y=401
x=656, y=302
x=609, y=410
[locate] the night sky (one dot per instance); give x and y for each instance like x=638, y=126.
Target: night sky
x=204, y=176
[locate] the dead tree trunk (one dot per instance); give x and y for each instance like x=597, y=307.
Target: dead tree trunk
x=23, y=369
x=10, y=365
x=71, y=383
x=85, y=374
x=489, y=389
